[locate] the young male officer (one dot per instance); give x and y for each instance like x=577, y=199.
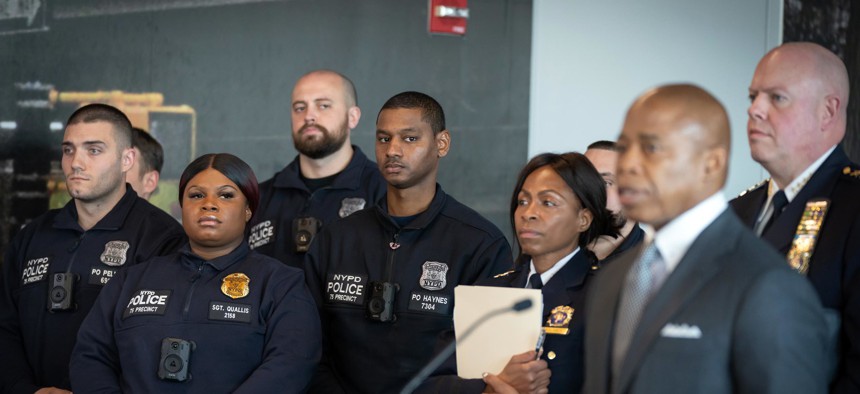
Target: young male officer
x=328, y=180
x=56, y=266
x=384, y=278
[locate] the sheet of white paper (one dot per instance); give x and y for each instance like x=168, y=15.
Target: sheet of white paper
x=491, y=345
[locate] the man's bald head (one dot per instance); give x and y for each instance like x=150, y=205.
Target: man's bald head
x=674, y=152
x=692, y=110
x=798, y=110
x=350, y=96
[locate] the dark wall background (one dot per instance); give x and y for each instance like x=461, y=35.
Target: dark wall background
x=235, y=63
x=835, y=24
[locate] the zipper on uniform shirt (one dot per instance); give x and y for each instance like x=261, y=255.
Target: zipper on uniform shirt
x=393, y=245
x=193, y=281
x=74, y=250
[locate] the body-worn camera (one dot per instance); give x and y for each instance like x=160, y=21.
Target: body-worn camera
x=61, y=292
x=175, y=359
x=304, y=230
x=380, y=307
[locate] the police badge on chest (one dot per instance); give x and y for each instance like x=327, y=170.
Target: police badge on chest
x=433, y=278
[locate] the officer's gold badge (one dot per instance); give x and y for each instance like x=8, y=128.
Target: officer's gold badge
x=236, y=285
x=559, y=320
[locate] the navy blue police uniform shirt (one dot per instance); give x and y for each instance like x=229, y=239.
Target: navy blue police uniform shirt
x=563, y=318
x=286, y=197
x=36, y=344
x=446, y=245
x=254, y=325
x=834, y=267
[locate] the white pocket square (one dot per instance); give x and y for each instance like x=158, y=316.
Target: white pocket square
x=672, y=330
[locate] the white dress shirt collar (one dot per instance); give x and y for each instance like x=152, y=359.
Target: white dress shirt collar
x=798, y=183
x=675, y=238
x=548, y=274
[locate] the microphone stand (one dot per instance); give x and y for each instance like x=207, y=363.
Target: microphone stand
x=449, y=349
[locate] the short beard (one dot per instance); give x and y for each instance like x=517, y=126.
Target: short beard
x=619, y=219
x=320, y=148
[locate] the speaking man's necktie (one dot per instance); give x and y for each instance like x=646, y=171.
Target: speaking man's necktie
x=646, y=274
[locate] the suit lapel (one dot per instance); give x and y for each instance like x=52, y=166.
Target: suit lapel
x=604, y=298
x=696, y=268
x=781, y=233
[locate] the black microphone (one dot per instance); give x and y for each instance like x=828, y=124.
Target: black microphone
x=436, y=361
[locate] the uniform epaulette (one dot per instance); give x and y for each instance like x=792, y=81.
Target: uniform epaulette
x=753, y=187
x=503, y=274
x=852, y=172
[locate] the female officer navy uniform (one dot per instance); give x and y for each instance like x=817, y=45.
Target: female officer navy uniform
x=563, y=317
x=563, y=320
x=253, y=325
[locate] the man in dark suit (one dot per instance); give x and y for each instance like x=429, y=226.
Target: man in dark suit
x=797, y=117
x=703, y=305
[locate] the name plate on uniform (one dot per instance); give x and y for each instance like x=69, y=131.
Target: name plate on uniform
x=425, y=301
x=228, y=311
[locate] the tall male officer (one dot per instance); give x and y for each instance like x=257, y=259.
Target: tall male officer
x=703, y=306
x=328, y=180
x=384, y=278
x=56, y=266
x=797, y=117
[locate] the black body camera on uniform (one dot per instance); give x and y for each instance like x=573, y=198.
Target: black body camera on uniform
x=61, y=292
x=381, y=304
x=175, y=359
x=304, y=230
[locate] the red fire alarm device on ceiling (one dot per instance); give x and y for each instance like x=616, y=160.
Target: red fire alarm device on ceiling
x=448, y=17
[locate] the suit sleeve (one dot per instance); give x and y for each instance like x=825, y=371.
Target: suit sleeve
x=324, y=380
x=95, y=366
x=781, y=341
x=293, y=342
x=15, y=373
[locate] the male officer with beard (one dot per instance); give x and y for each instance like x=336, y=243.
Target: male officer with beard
x=384, y=278
x=328, y=180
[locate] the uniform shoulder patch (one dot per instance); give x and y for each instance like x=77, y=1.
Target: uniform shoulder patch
x=851, y=171
x=753, y=187
x=504, y=274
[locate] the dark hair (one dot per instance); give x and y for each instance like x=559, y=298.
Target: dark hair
x=232, y=167
x=151, y=152
x=92, y=113
x=585, y=182
x=604, y=145
x=431, y=111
